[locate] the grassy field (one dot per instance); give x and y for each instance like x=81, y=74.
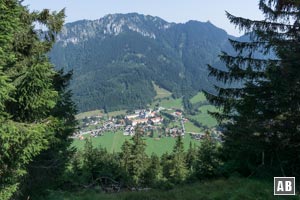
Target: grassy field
x=113, y=142
x=162, y=145
x=203, y=117
x=190, y=127
x=174, y=124
x=160, y=92
x=89, y=114
x=220, y=189
x=116, y=113
x=168, y=103
x=198, y=98
x=99, y=112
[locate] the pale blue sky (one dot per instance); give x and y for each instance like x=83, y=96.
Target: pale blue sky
x=170, y=10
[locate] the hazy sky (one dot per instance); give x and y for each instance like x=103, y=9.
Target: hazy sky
x=170, y=10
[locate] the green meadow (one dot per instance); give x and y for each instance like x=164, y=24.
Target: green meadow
x=88, y=114
x=168, y=102
x=200, y=97
x=204, y=117
x=161, y=92
x=190, y=127
x=113, y=142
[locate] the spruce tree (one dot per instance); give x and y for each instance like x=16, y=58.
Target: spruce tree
x=153, y=174
x=178, y=168
x=19, y=142
x=125, y=155
x=191, y=158
x=89, y=160
x=31, y=94
x=45, y=172
x=165, y=162
x=261, y=118
x=208, y=161
x=138, y=160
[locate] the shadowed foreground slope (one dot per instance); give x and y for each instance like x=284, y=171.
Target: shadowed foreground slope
x=233, y=188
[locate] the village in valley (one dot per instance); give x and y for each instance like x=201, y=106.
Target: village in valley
x=155, y=123
x=159, y=123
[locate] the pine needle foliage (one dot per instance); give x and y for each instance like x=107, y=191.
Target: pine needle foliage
x=36, y=112
x=261, y=118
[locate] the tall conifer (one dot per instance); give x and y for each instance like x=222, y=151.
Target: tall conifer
x=178, y=168
x=262, y=117
x=36, y=112
x=138, y=158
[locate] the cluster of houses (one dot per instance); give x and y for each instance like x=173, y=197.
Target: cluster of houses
x=145, y=118
x=198, y=136
x=111, y=125
x=213, y=133
x=89, y=121
x=148, y=120
x=216, y=134
x=175, y=132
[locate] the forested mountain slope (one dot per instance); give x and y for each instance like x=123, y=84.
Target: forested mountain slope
x=115, y=59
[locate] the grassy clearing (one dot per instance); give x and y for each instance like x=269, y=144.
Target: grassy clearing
x=200, y=97
x=174, y=124
x=89, y=114
x=113, y=142
x=116, y=113
x=168, y=103
x=233, y=188
x=190, y=127
x=166, y=144
x=206, y=108
x=203, y=116
x=99, y=112
x=161, y=92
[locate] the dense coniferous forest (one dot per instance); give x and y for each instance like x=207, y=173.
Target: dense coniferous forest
x=260, y=119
